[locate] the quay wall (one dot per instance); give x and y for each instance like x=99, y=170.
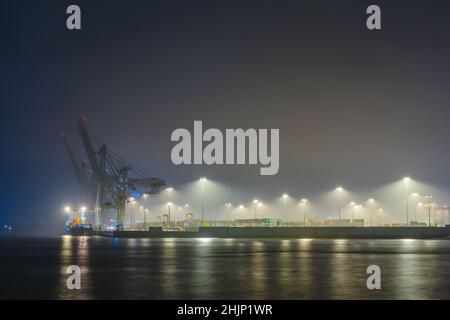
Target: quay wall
x=288, y=232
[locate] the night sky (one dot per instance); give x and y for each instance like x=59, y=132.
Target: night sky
x=354, y=107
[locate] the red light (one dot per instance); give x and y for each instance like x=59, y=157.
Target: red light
x=83, y=119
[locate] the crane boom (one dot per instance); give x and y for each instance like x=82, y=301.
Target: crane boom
x=92, y=157
x=76, y=167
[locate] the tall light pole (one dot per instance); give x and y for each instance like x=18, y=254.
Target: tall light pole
x=303, y=204
x=145, y=218
x=228, y=206
x=259, y=204
x=381, y=216
x=406, y=181
x=255, y=205
x=169, y=191
x=443, y=215
x=133, y=202
x=428, y=198
x=352, y=207
x=285, y=196
x=202, y=181
x=168, y=212
x=339, y=191
x=371, y=202
x=300, y=205
x=187, y=209
x=241, y=207
x=444, y=208
x=145, y=196
x=415, y=195
x=418, y=205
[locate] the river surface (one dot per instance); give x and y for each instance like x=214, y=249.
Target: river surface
x=36, y=267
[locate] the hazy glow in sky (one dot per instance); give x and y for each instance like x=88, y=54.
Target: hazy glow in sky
x=354, y=108
x=390, y=198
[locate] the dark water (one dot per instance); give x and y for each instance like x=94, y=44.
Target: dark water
x=222, y=268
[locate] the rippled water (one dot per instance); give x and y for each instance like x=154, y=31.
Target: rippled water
x=223, y=268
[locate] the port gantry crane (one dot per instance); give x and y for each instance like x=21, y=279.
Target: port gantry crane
x=113, y=183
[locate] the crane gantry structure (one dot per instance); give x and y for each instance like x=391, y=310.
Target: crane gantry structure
x=108, y=180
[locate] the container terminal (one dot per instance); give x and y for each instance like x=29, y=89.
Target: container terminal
x=108, y=181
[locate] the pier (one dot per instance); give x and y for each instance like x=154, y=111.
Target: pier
x=288, y=233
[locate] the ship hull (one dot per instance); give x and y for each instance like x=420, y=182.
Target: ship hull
x=81, y=232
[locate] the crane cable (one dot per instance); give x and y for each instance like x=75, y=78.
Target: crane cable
x=140, y=172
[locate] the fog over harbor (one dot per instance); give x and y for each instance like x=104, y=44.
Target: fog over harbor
x=389, y=205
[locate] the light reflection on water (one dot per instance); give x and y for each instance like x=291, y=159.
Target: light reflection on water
x=223, y=268
x=74, y=253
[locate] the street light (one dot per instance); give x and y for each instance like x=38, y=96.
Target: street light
x=131, y=212
x=406, y=181
x=420, y=205
x=339, y=191
x=303, y=204
x=260, y=204
x=203, y=180
x=352, y=206
x=371, y=202
x=228, y=206
x=443, y=208
x=168, y=212
x=381, y=216
x=145, y=196
x=145, y=218
x=428, y=198
x=255, y=204
x=415, y=195
x=357, y=206
x=169, y=191
x=241, y=207
x=285, y=197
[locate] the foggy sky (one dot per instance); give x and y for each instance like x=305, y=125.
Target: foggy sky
x=356, y=108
